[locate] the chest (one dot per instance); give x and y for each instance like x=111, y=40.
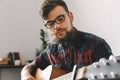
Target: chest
x=71, y=56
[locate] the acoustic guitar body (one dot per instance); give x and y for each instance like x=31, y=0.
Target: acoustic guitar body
x=104, y=69
x=49, y=73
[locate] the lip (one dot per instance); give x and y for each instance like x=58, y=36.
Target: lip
x=59, y=31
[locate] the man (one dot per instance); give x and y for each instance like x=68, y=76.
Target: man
x=70, y=46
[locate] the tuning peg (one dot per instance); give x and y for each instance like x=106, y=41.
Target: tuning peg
x=93, y=76
x=113, y=58
x=104, y=61
x=103, y=75
x=113, y=74
x=96, y=65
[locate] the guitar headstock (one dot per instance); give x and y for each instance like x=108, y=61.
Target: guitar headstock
x=104, y=69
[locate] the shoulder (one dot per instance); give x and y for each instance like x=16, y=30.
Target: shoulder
x=85, y=36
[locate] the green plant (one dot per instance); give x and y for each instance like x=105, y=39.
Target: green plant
x=44, y=39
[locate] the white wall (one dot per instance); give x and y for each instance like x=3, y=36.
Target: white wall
x=20, y=23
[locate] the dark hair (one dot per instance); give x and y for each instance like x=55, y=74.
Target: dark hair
x=49, y=5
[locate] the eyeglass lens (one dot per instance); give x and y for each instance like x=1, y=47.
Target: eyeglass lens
x=58, y=20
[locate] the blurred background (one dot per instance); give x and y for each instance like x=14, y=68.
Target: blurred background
x=20, y=24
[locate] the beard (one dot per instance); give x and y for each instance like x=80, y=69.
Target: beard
x=66, y=38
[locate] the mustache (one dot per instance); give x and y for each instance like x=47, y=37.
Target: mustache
x=58, y=29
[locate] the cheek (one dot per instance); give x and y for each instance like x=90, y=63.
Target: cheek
x=69, y=29
x=68, y=22
x=51, y=31
x=69, y=26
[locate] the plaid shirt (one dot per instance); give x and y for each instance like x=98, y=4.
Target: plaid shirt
x=82, y=49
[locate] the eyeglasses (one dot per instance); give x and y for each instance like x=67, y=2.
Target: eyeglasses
x=59, y=19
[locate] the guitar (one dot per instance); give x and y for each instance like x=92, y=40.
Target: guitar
x=104, y=69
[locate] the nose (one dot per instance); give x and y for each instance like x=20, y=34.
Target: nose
x=56, y=26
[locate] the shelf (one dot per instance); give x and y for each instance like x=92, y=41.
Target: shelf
x=11, y=66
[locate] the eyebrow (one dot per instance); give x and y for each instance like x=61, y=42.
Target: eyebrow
x=56, y=17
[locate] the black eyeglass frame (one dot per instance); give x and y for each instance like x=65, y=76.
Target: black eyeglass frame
x=52, y=23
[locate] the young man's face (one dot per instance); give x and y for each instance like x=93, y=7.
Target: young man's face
x=59, y=22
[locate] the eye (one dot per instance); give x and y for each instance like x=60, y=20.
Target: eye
x=50, y=24
x=60, y=19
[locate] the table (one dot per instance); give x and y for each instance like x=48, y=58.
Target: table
x=9, y=67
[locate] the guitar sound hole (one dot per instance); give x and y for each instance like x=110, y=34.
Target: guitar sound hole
x=84, y=79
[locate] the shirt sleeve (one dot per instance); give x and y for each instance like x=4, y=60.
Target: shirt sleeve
x=41, y=61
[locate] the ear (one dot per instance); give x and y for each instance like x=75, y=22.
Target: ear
x=71, y=16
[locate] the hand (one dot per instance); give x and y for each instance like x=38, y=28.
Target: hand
x=27, y=77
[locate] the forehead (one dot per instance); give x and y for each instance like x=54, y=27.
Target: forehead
x=55, y=12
